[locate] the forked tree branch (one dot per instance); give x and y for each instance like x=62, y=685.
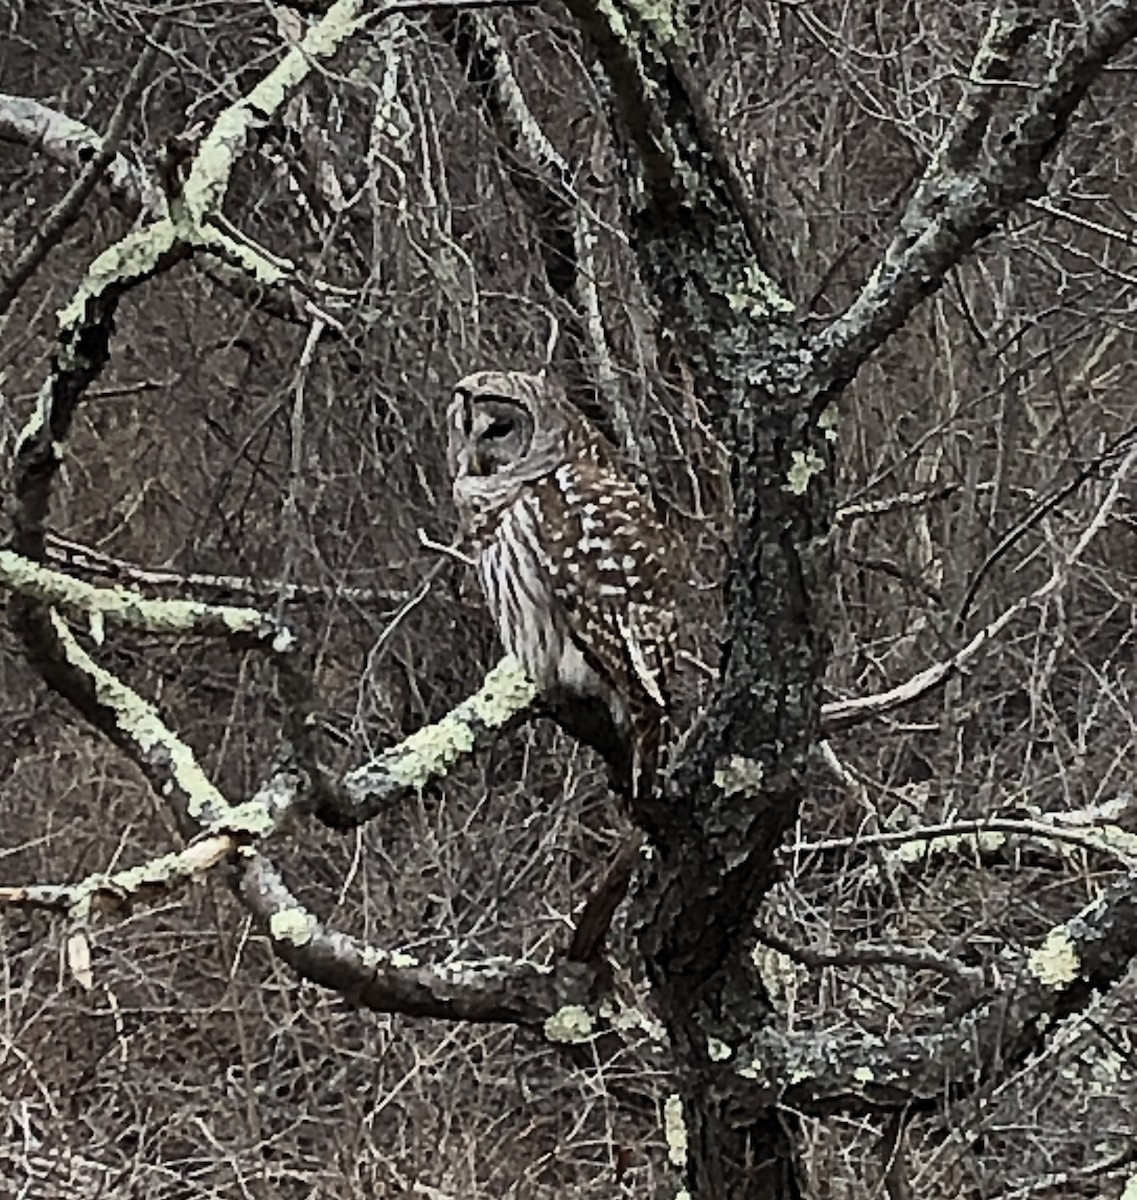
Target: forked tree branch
x=967, y=191
x=852, y=1073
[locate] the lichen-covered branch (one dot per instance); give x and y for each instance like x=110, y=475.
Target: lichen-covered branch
x=505, y=697
x=849, y=1072
x=499, y=990
x=121, y=606
x=134, y=725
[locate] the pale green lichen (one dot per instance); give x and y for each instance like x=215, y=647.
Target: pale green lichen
x=739, y=774
x=374, y=959
x=293, y=925
x=757, y=295
x=1055, y=963
x=506, y=691
x=38, y=421
x=675, y=1131
x=283, y=640
x=120, y=604
x=987, y=841
x=863, y=1075
x=208, y=181
x=131, y=257
x=751, y=1070
x=164, y=869
x=431, y=750
x=570, y=1024
x=829, y=420
x=780, y=974
x=1129, y=1191
x=627, y=1017
x=1117, y=839
x=803, y=467
x=615, y=19
x=140, y=722
x=718, y=1050
x=659, y=16
x=251, y=817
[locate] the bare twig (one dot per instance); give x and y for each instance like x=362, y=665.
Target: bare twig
x=842, y=714
x=875, y=956
x=78, y=557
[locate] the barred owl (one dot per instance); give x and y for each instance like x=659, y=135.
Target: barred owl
x=577, y=572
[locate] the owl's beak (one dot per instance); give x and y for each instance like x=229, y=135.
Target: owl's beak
x=476, y=463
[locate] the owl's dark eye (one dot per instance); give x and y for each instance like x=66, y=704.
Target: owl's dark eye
x=499, y=428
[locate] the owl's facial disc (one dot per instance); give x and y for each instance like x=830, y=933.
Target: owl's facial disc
x=500, y=433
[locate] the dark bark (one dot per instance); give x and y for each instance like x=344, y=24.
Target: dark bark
x=737, y=786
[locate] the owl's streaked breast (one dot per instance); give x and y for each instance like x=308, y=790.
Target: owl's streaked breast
x=519, y=592
x=515, y=571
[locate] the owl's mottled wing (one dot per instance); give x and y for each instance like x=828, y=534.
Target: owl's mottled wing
x=611, y=563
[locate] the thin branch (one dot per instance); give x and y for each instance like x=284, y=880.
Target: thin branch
x=862, y=955
x=846, y=514
x=1039, y=510
x=983, y=835
x=78, y=557
x=842, y=714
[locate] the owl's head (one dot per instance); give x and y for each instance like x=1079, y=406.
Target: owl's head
x=505, y=423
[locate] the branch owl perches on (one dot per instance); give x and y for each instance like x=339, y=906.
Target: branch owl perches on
x=577, y=571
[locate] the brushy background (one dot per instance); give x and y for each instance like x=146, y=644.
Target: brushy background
x=198, y=1066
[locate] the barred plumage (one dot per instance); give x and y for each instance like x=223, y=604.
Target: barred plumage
x=575, y=567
